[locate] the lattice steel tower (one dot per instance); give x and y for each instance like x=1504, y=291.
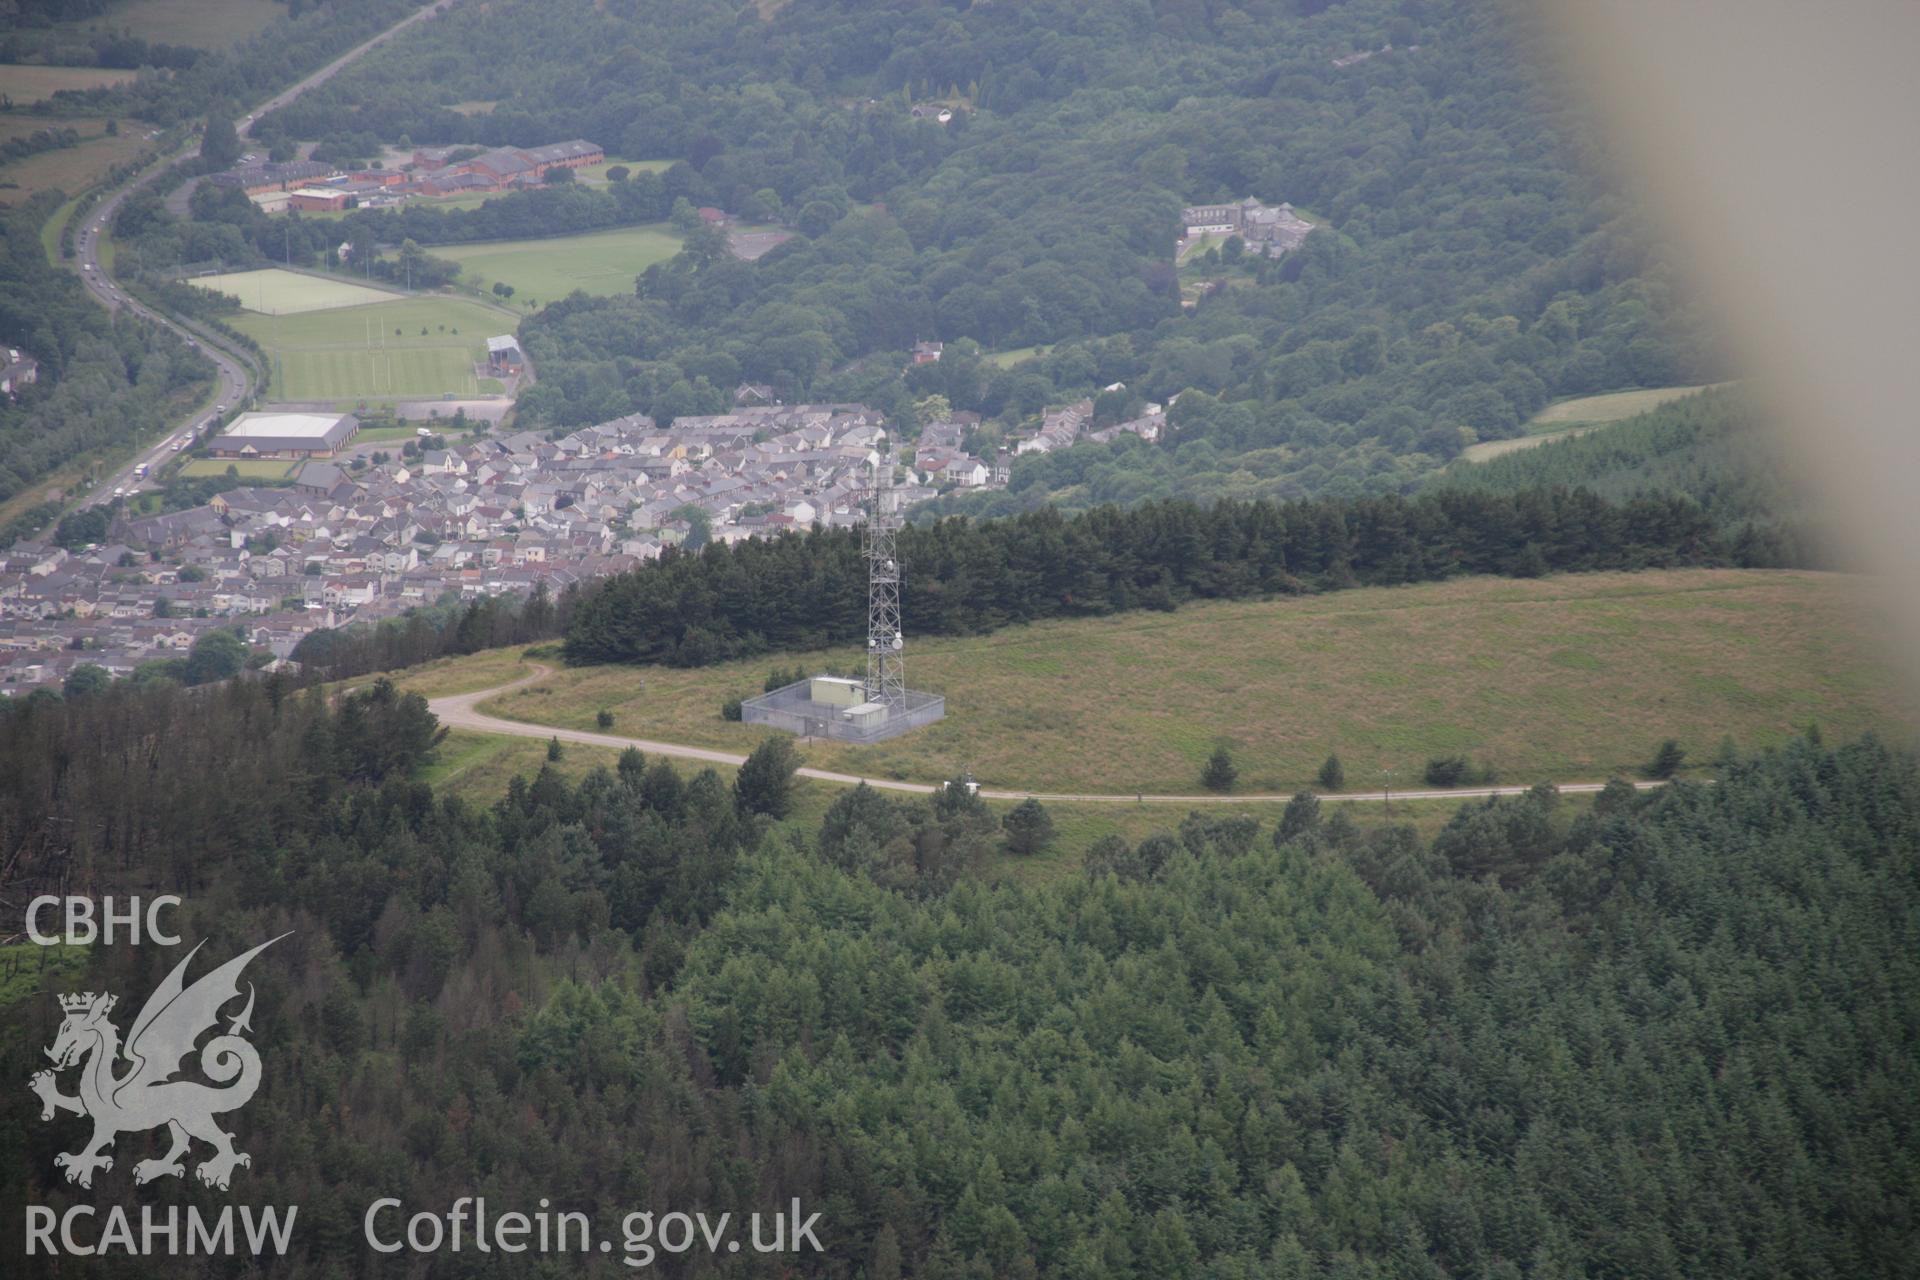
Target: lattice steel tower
x=886, y=644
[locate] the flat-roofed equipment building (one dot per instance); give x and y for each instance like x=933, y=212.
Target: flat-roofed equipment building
x=880, y=706
x=285, y=435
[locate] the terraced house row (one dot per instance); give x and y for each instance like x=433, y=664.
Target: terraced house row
x=365, y=536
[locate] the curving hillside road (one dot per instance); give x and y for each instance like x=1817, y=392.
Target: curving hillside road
x=234, y=381
x=460, y=711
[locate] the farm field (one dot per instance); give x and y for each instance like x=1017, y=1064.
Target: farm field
x=68, y=169
x=31, y=84
x=600, y=262
x=1567, y=678
x=202, y=24
x=377, y=351
x=275, y=292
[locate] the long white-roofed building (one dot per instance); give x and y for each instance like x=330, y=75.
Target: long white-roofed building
x=285, y=435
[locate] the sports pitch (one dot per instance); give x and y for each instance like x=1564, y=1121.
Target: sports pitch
x=274, y=292
x=377, y=351
x=601, y=262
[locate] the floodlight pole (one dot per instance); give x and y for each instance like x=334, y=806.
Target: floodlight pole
x=886, y=643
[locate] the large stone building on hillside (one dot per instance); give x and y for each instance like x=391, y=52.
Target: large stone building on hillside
x=1269, y=229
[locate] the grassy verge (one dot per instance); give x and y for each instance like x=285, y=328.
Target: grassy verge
x=51, y=229
x=245, y=468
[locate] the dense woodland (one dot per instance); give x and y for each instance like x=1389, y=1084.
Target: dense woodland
x=1674, y=1037
x=1470, y=268
x=447, y=628
x=963, y=577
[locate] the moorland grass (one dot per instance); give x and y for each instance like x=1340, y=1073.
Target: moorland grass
x=1566, y=678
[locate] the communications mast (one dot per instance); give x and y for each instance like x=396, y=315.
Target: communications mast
x=886, y=644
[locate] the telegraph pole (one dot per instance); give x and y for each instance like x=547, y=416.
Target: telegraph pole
x=1388, y=775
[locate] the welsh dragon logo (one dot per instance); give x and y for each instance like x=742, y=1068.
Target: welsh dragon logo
x=146, y=1095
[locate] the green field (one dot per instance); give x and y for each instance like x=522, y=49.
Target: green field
x=603, y=262
x=273, y=291
x=29, y=84
x=1567, y=418
x=598, y=172
x=202, y=24
x=378, y=351
x=1564, y=678
x=1011, y=357
x=68, y=169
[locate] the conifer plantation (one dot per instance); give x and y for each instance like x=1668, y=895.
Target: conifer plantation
x=1670, y=1036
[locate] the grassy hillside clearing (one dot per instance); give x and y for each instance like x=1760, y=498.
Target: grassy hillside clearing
x=1565, y=419
x=1564, y=678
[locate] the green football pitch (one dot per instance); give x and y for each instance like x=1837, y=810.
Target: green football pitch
x=407, y=348
x=274, y=292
